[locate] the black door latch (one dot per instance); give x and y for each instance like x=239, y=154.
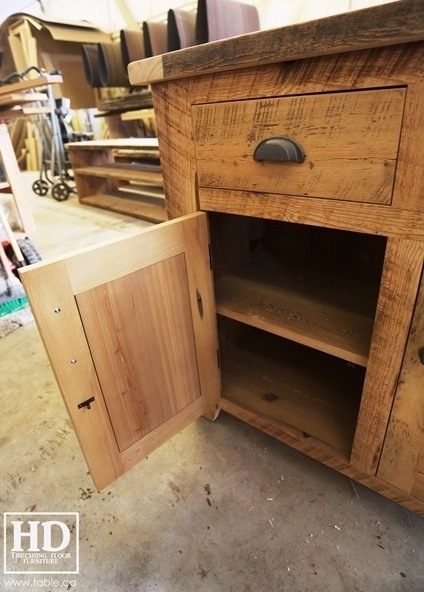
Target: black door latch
x=86, y=403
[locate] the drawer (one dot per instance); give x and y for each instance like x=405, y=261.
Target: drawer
x=349, y=139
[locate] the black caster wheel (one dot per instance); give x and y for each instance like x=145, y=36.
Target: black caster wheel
x=60, y=191
x=40, y=187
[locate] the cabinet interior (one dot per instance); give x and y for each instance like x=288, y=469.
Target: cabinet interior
x=296, y=307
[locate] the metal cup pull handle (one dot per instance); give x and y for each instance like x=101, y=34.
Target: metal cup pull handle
x=279, y=149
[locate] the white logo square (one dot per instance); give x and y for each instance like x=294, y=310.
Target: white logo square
x=41, y=542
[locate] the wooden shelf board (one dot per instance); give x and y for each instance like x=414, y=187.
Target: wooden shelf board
x=298, y=307
x=4, y=186
x=121, y=143
x=306, y=393
x=20, y=98
x=125, y=173
x=137, y=208
x=31, y=83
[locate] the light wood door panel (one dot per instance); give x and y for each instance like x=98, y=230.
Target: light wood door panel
x=140, y=333
x=402, y=460
x=131, y=323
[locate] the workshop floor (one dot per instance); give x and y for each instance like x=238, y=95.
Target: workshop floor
x=220, y=508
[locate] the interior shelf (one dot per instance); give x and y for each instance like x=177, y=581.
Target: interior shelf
x=296, y=307
x=334, y=317
x=314, y=286
x=305, y=392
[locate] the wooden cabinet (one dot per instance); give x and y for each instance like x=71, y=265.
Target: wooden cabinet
x=314, y=265
x=122, y=175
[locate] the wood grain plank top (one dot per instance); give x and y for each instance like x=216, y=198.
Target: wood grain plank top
x=386, y=24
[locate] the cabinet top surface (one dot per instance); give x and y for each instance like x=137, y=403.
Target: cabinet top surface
x=387, y=24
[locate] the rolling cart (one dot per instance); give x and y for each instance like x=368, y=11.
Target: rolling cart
x=54, y=166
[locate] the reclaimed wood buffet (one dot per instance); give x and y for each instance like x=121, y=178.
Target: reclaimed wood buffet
x=287, y=289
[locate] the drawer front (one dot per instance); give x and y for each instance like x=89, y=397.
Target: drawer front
x=350, y=143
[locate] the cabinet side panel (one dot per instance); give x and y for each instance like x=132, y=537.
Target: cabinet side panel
x=173, y=123
x=401, y=275
x=402, y=461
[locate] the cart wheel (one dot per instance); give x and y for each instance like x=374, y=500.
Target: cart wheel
x=40, y=187
x=60, y=191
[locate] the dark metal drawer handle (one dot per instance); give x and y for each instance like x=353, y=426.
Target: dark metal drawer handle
x=280, y=149
x=421, y=354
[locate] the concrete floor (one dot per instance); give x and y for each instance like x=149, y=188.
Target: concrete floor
x=220, y=508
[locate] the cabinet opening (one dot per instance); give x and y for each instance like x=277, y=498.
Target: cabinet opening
x=304, y=392
x=296, y=307
x=311, y=285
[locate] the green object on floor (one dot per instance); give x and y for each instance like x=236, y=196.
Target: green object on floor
x=12, y=294
x=13, y=305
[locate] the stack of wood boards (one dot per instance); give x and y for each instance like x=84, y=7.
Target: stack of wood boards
x=21, y=98
x=25, y=99
x=136, y=100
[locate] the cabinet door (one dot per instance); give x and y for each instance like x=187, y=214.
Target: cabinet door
x=130, y=330
x=402, y=460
